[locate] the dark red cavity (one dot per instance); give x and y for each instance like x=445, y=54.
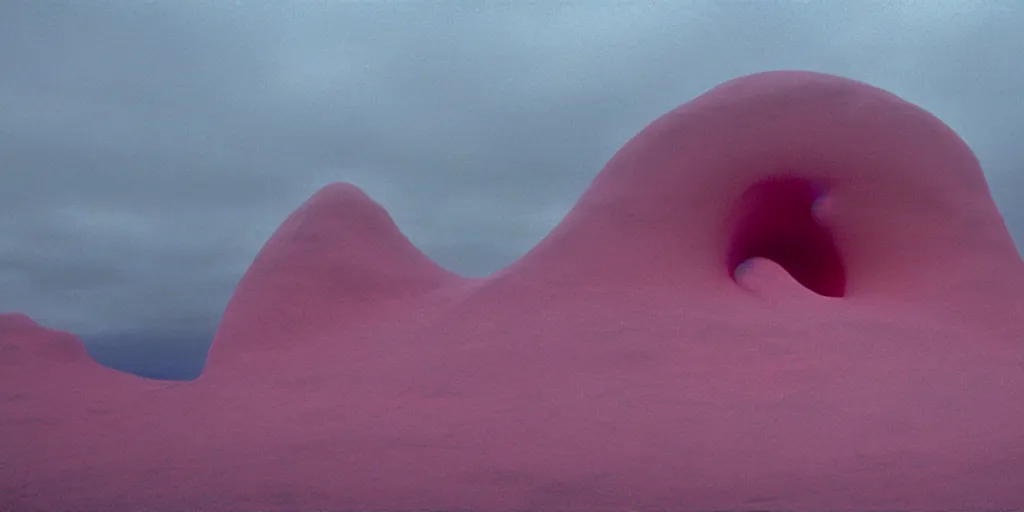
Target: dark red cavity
x=775, y=221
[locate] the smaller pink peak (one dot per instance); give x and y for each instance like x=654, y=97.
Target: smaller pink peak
x=25, y=342
x=344, y=232
x=344, y=200
x=339, y=257
x=13, y=321
x=340, y=192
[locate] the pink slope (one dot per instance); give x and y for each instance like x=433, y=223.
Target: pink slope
x=794, y=292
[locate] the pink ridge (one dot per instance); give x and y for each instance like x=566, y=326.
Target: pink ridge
x=793, y=292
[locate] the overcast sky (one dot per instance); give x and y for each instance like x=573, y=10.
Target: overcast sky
x=149, y=148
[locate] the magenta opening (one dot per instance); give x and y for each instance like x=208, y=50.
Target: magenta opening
x=776, y=221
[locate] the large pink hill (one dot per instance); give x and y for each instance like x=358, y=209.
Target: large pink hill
x=794, y=292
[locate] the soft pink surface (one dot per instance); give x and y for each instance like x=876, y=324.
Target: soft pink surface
x=794, y=292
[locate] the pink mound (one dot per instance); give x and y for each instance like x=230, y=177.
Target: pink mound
x=794, y=292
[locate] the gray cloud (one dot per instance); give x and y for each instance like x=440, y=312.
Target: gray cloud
x=148, y=149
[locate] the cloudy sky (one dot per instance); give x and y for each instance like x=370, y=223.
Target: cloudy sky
x=149, y=148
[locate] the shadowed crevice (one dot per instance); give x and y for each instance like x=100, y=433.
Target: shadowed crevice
x=776, y=221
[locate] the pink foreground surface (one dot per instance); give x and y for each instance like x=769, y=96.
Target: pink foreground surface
x=794, y=292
